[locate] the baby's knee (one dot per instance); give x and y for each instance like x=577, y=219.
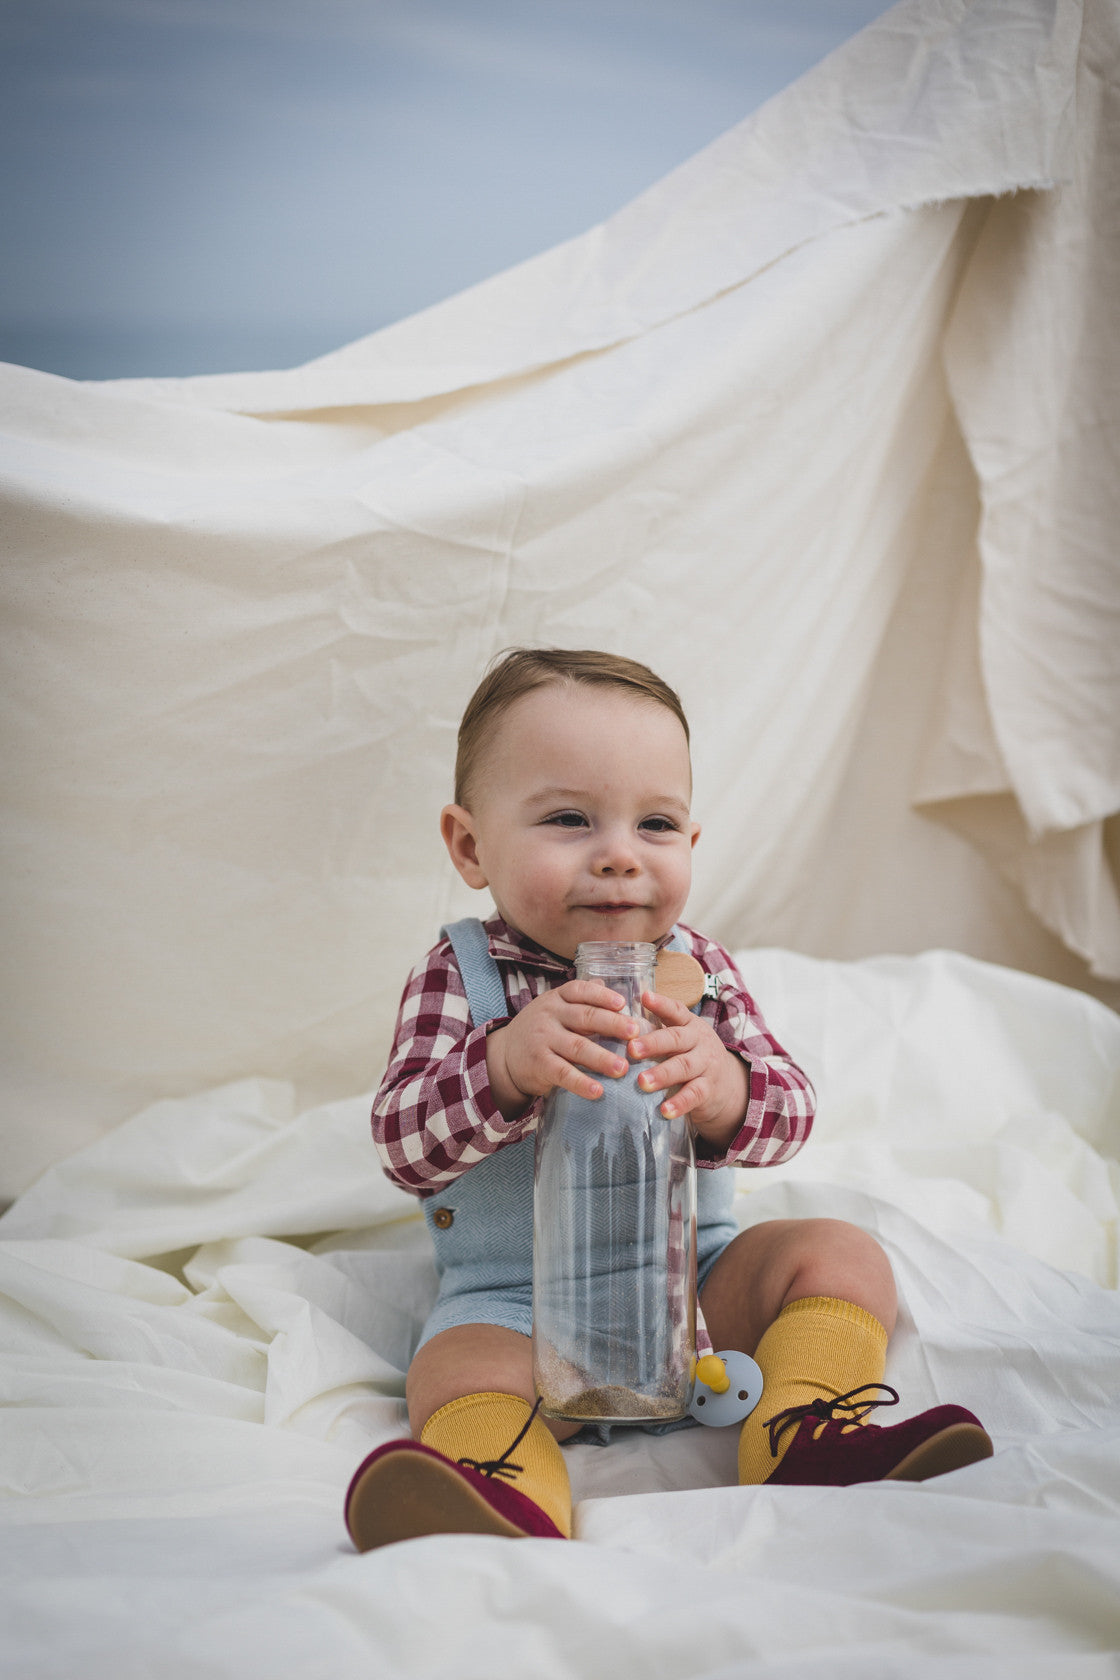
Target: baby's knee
x=467, y=1359
x=835, y=1258
x=838, y=1237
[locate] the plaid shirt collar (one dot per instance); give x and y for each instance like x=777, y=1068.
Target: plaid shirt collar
x=509, y=946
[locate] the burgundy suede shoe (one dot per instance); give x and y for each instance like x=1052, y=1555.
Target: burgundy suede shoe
x=931, y=1444
x=404, y=1490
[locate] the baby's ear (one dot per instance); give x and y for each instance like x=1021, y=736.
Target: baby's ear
x=695, y=832
x=457, y=827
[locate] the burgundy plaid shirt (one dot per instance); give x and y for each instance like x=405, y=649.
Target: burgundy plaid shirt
x=434, y=1115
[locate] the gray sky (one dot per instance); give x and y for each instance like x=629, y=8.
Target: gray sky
x=191, y=186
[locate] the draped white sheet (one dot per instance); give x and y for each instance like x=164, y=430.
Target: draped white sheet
x=181, y=1430
x=823, y=426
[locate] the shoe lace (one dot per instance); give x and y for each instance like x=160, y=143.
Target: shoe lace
x=504, y=1468
x=823, y=1409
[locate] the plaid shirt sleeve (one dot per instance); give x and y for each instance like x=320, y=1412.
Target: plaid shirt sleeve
x=434, y=1115
x=782, y=1102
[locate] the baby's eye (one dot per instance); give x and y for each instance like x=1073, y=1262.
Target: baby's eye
x=659, y=825
x=567, y=819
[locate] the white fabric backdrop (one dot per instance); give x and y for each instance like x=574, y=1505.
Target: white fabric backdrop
x=824, y=428
x=820, y=426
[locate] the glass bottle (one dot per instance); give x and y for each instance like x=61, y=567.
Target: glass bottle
x=614, y=1235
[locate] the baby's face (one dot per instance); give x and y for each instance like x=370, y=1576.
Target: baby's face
x=580, y=819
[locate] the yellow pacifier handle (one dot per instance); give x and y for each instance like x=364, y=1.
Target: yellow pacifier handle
x=712, y=1372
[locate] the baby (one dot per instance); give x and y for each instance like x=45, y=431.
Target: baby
x=572, y=806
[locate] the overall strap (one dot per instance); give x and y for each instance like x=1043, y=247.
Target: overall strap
x=482, y=978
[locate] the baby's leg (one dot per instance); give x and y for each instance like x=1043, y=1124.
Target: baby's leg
x=783, y=1260
x=486, y=1463
x=814, y=1301
x=472, y=1359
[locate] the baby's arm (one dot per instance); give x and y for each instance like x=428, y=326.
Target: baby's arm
x=748, y=1101
x=433, y=1115
x=440, y=1109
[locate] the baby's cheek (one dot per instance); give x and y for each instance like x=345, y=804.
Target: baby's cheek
x=544, y=885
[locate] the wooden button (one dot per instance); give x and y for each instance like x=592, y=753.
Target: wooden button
x=444, y=1218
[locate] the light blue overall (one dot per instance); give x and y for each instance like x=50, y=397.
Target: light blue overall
x=484, y=1252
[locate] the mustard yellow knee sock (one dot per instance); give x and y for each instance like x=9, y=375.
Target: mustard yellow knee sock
x=816, y=1348
x=482, y=1426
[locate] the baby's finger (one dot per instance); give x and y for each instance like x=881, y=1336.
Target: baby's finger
x=597, y=1058
x=568, y=1077
x=591, y=992
x=690, y=1096
x=663, y=1041
x=676, y=1070
x=584, y=1018
x=667, y=1009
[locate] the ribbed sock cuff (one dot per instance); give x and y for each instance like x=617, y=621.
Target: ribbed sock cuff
x=839, y=1311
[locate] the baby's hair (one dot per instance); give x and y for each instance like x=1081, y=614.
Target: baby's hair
x=519, y=671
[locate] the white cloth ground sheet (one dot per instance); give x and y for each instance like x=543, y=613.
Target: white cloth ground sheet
x=824, y=427
x=183, y=1427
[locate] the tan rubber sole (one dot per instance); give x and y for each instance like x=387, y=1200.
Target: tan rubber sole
x=960, y=1444
x=404, y=1496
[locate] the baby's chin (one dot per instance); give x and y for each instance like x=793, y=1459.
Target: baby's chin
x=620, y=927
x=563, y=933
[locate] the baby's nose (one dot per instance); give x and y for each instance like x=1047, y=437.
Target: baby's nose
x=617, y=857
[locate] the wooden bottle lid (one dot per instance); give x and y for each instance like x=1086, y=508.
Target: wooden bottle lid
x=679, y=976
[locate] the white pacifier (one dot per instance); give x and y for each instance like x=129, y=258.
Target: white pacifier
x=727, y=1388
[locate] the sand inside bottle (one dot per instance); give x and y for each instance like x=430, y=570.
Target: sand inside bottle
x=568, y=1395
x=619, y=1405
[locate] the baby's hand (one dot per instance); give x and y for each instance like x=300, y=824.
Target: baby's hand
x=713, y=1081
x=552, y=1042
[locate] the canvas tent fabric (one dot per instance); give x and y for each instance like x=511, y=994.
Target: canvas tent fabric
x=823, y=427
